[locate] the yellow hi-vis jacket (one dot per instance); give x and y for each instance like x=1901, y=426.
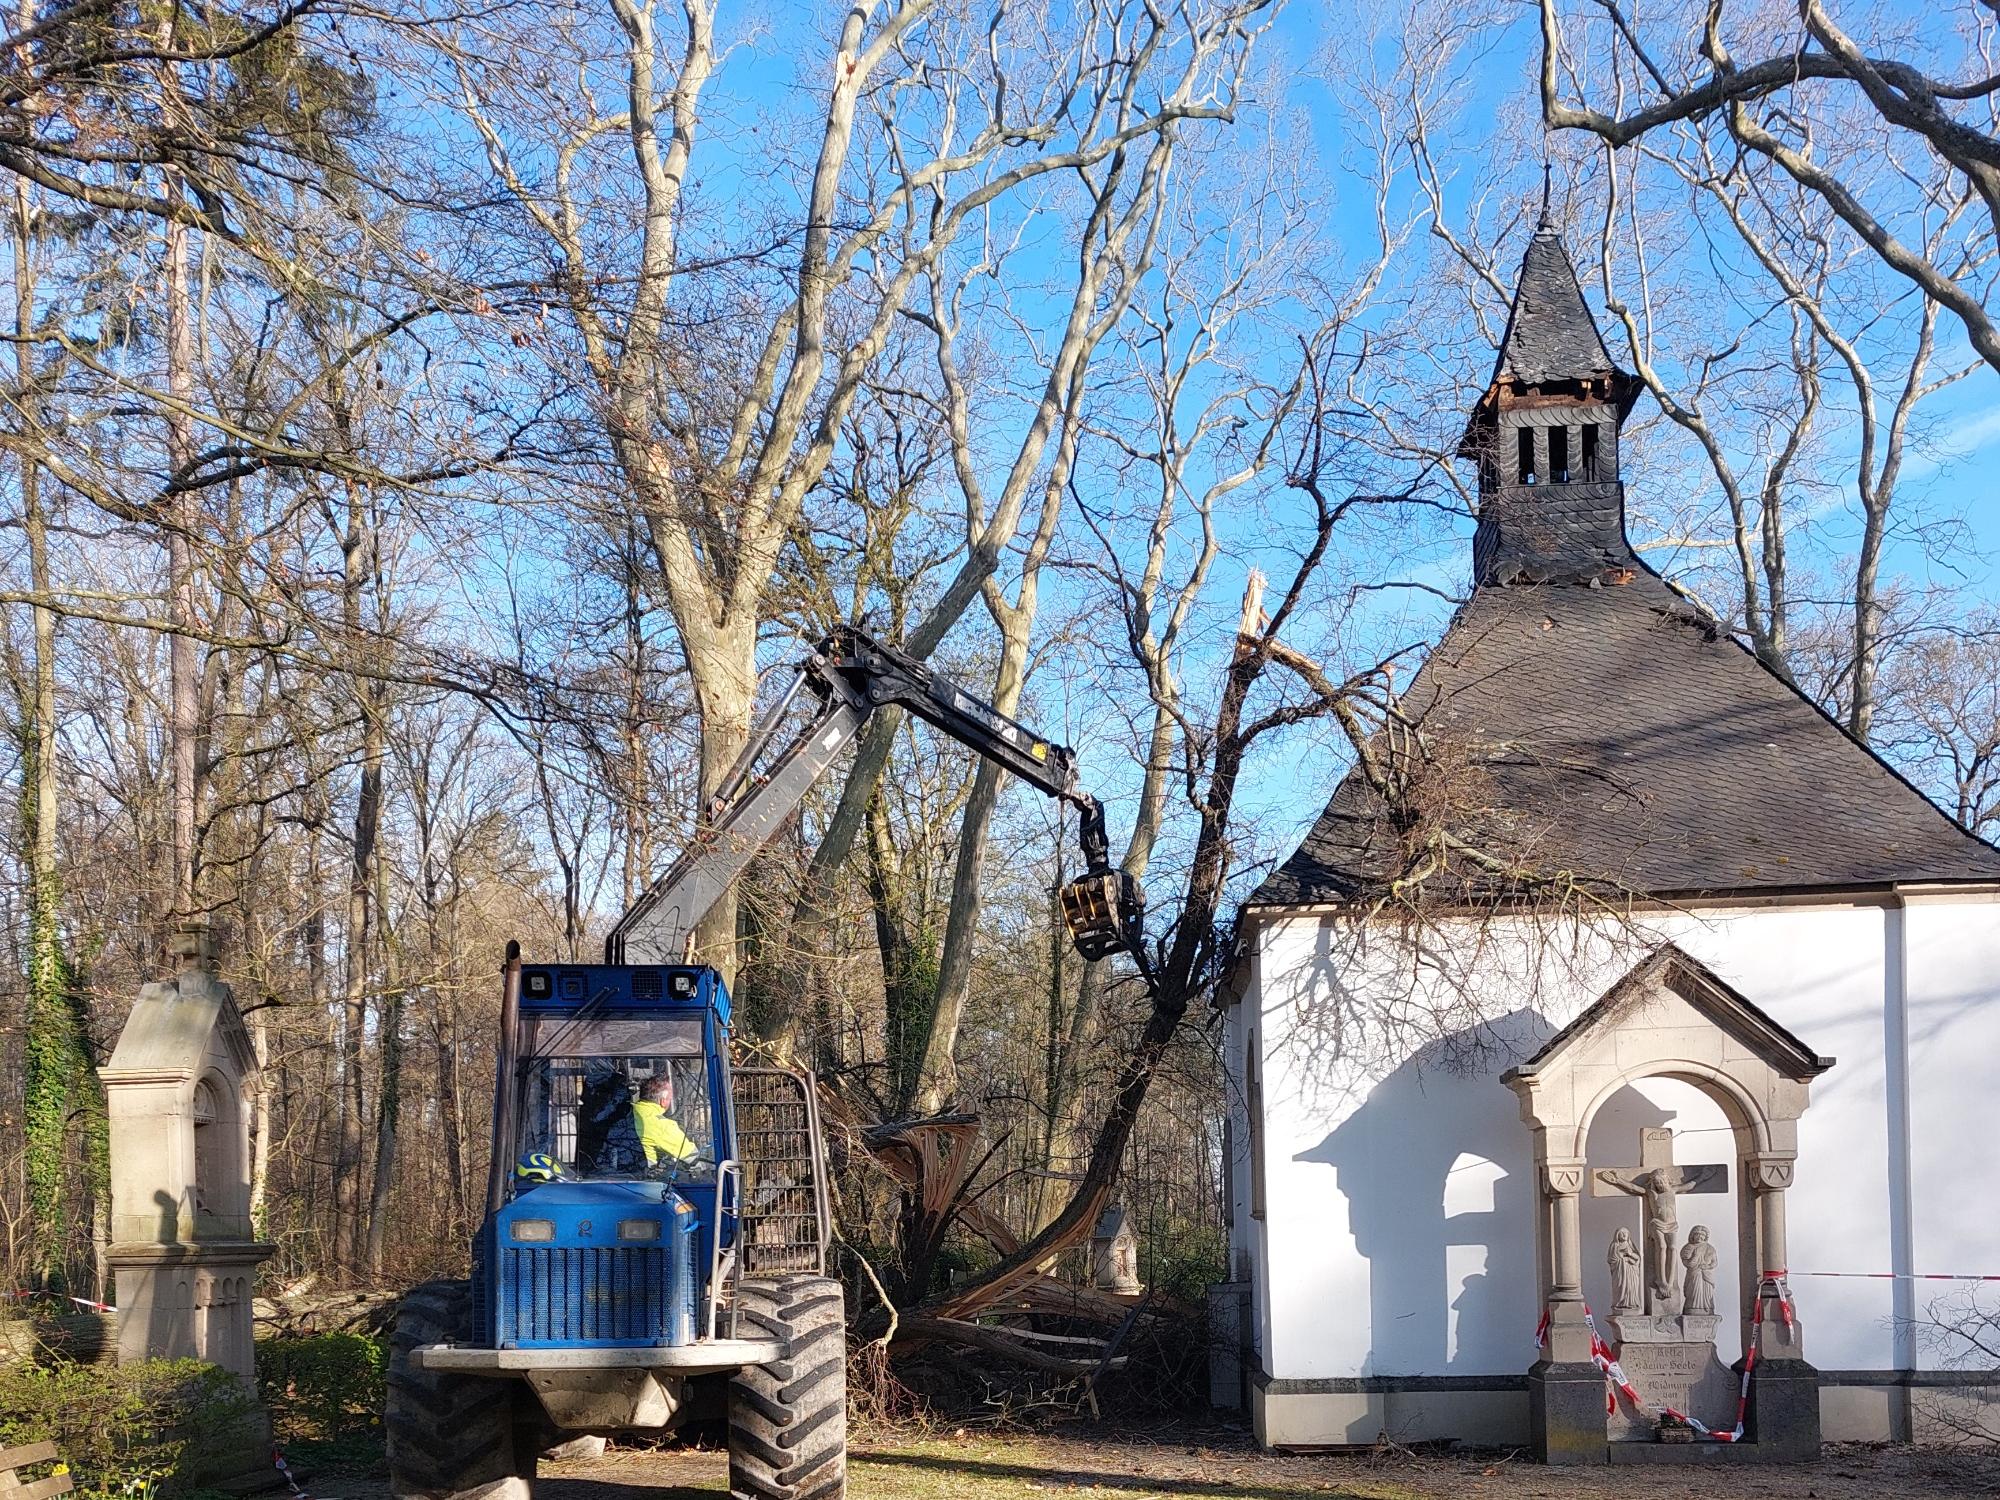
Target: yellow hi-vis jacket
x=661, y=1135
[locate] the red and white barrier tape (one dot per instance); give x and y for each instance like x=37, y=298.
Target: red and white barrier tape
x=1602, y=1356
x=1779, y=1283
x=1893, y=1276
x=278, y=1463
x=1780, y=1288
x=83, y=1302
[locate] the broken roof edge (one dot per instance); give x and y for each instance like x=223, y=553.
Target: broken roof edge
x=1624, y=387
x=1722, y=1003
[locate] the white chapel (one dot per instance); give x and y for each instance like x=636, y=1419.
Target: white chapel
x=1729, y=950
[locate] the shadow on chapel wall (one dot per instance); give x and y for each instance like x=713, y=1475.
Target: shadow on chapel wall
x=1438, y=1172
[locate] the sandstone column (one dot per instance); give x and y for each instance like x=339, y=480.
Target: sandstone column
x=1768, y=1174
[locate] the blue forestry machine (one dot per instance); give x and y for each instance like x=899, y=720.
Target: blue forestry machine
x=655, y=1241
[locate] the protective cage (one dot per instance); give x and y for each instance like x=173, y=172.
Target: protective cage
x=785, y=1216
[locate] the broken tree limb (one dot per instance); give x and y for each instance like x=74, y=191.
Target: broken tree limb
x=1004, y=1343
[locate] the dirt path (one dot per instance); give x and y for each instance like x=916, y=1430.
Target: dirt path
x=982, y=1466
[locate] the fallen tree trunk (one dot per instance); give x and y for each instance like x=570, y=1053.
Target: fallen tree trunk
x=1005, y=1343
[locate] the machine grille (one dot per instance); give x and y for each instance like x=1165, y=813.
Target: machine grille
x=598, y=1294
x=784, y=1200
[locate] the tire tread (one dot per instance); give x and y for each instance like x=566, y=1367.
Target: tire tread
x=788, y=1418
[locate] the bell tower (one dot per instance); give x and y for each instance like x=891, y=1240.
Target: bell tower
x=1545, y=435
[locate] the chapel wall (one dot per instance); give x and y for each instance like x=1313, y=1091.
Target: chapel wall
x=1391, y=1186
x=1953, y=1032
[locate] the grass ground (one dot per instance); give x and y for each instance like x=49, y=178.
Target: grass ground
x=1191, y=1464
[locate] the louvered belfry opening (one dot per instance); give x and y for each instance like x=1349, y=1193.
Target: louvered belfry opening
x=1545, y=434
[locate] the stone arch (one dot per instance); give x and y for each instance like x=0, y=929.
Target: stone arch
x=216, y=1107
x=1671, y=1017
x=1746, y=1118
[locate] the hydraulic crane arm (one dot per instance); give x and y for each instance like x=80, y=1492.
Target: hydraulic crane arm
x=852, y=675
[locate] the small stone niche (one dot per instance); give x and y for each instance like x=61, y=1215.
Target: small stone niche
x=1114, y=1254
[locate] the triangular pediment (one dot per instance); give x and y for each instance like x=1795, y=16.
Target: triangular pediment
x=1670, y=970
x=172, y=1026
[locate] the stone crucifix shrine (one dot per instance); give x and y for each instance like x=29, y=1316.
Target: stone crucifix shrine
x=1665, y=1324
x=1669, y=1018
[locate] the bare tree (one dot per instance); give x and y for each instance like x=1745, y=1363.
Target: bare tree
x=1771, y=106
x=1941, y=714
x=955, y=130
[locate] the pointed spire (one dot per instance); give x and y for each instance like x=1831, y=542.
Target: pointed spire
x=1550, y=333
x=1545, y=433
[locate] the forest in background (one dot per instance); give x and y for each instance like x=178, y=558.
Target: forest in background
x=428, y=434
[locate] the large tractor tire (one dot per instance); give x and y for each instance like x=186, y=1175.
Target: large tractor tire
x=451, y=1436
x=788, y=1419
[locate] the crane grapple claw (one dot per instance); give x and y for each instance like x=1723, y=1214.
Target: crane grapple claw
x=1104, y=913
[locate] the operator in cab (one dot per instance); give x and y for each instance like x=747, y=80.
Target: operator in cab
x=660, y=1134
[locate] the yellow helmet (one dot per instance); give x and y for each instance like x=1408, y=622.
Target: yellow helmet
x=538, y=1166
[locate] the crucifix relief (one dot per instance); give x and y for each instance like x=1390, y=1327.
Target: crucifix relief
x=1659, y=1181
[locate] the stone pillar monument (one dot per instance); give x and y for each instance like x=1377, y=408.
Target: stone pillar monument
x=183, y=1252
x=1114, y=1254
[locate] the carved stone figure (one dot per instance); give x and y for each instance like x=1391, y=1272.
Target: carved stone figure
x=1662, y=1226
x=1659, y=1181
x=1623, y=1259
x=1698, y=1257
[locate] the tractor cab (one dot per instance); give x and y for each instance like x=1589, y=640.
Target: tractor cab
x=623, y=1195
x=621, y=1074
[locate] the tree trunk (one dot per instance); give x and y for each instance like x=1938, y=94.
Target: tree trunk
x=451, y=1115
x=184, y=704
x=389, y=1090
x=909, y=961
x=637, y=854
x=724, y=670
x=357, y=548
x=1067, y=1135
x=260, y=1145
x=53, y=1059
x=939, y=1078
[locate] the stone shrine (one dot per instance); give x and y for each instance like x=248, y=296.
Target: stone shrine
x=1114, y=1254
x=183, y=1251
x=1669, y=1018
x=1666, y=1342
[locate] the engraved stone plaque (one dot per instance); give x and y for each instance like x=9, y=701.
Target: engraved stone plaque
x=1686, y=1376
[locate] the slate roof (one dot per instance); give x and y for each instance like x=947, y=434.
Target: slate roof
x=1550, y=335
x=1618, y=732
